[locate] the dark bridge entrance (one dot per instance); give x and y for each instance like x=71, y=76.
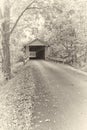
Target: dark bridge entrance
x=37, y=52
x=37, y=49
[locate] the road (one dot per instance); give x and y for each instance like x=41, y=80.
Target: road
x=60, y=100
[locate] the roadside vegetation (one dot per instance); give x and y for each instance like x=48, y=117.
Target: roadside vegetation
x=16, y=100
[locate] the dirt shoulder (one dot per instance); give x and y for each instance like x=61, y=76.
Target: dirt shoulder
x=15, y=101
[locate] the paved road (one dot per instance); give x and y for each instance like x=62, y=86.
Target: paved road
x=60, y=100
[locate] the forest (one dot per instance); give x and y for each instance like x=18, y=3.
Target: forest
x=43, y=64
x=62, y=24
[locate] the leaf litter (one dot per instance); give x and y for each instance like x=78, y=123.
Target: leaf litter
x=15, y=101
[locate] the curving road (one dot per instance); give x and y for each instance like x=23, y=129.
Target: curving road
x=60, y=100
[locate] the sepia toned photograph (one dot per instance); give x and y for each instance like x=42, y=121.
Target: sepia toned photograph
x=43, y=64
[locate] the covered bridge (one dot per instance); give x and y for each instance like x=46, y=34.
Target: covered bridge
x=37, y=49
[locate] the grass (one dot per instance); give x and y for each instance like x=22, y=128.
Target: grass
x=16, y=101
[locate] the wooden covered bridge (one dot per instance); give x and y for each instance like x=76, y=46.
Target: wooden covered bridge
x=37, y=49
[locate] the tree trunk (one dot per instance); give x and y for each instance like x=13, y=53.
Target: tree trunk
x=5, y=41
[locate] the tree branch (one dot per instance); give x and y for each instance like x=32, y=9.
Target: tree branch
x=21, y=16
x=34, y=8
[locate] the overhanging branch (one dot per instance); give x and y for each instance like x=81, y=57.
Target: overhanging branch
x=21, y=16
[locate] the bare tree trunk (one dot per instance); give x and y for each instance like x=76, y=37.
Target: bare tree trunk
x=1, y=58
x=5, y=41
x=6, y=33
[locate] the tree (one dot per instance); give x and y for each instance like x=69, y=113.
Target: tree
x=6, y=33
x=5, y=41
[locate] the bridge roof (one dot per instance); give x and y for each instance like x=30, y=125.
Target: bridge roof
x=37, y=42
